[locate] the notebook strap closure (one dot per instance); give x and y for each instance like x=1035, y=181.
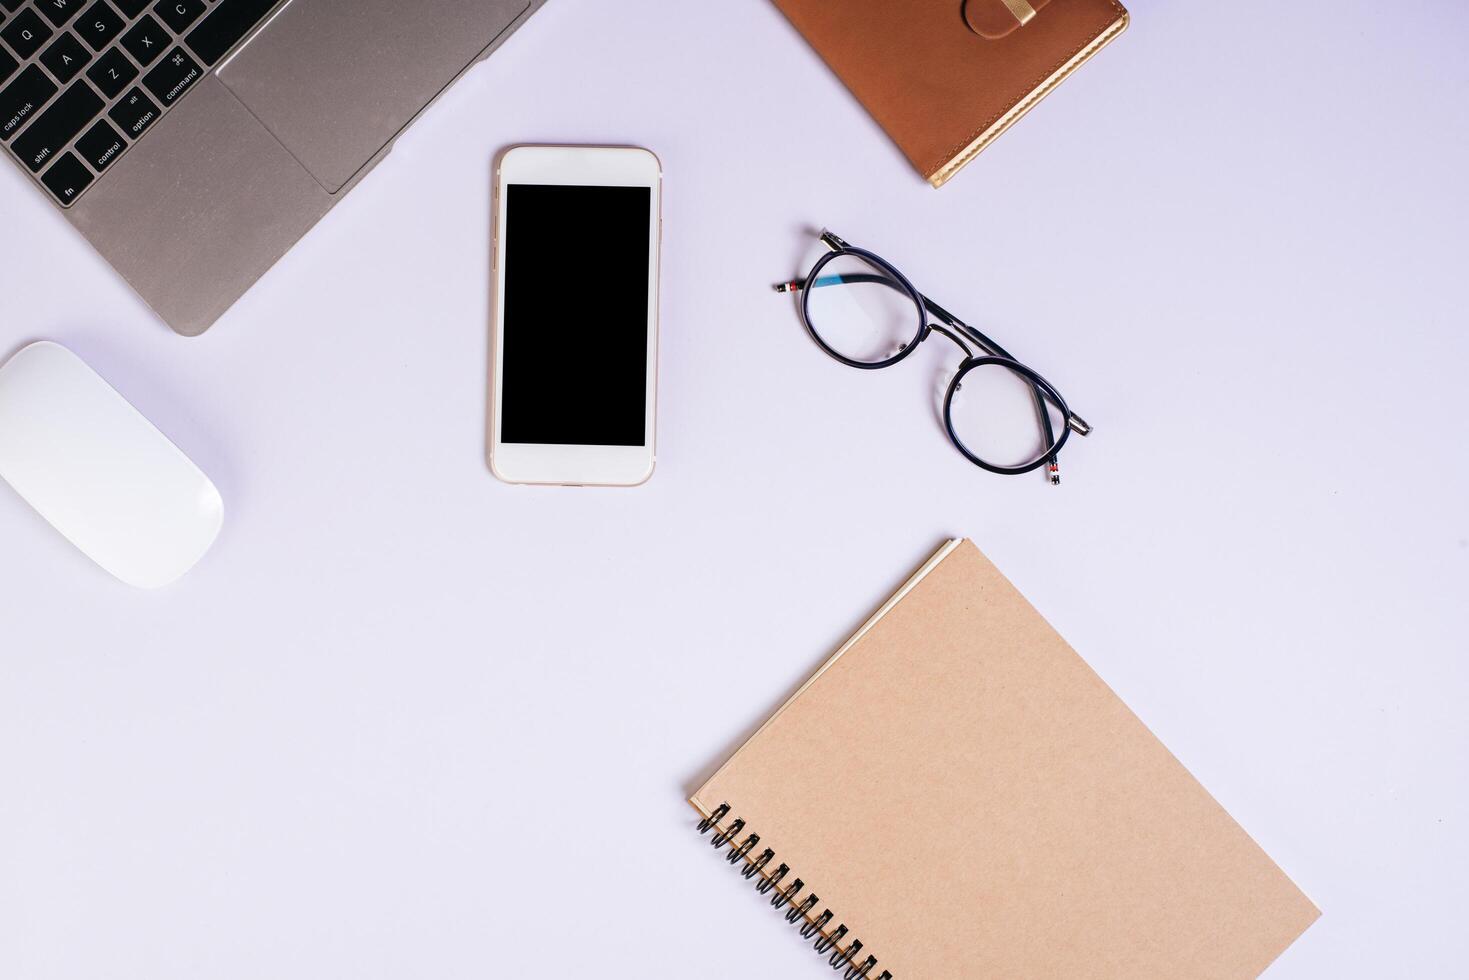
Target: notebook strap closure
x=993, y=19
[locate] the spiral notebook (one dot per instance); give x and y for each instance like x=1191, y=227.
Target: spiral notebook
x=956, y=794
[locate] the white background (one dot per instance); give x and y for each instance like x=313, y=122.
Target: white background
x=407, y=721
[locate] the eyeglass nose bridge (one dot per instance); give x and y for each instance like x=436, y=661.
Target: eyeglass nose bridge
x=940, y=328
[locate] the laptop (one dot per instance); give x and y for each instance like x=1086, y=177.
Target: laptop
x=193, y=142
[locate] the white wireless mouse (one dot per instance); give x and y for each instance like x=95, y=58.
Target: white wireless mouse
x=100, y=472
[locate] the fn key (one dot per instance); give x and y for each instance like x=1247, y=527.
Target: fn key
x=67, y=178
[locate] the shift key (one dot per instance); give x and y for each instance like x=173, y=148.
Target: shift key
x=173, y=77
x=54, y=128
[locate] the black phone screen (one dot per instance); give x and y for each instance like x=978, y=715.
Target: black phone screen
x=575, y=346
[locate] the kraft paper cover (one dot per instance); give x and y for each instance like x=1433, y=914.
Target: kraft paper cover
x=971, y=800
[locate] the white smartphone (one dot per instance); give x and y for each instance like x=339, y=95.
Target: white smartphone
x=575, y=350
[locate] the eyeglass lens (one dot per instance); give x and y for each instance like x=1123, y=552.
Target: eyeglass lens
x=995, y=416
x=860, y=311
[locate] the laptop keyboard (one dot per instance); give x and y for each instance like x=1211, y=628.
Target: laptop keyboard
x=82, y=80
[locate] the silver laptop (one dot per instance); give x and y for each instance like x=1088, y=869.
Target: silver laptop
x=194, y=141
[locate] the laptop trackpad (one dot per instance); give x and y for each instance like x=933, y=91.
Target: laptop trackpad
x=336, y=80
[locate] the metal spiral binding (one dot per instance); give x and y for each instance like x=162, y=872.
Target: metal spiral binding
x=813, y=927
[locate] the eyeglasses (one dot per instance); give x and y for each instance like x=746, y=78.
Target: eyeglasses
x=999, y=413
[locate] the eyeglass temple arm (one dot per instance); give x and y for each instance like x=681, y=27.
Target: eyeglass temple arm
x=833, y=243
x=830, y=239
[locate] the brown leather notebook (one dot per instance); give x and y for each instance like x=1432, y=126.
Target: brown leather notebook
x=956, y=794
x=945, y=77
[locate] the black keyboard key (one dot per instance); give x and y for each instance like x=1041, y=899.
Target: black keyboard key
x=131, y=8
x=8, y=65
x=112, y=72
x=173, y=77
x=59, y=12
x=26, y=33
x=22, y=99
x=66, y=57
x=67, y=178
x=230, y=21
x=43, y=139
x=179, y=14
x=146, y=41
x=11, y=5
x=101, y=145
x=99, y=25
x=135, y=113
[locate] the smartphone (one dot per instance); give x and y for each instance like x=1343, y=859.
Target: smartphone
x=575, y=349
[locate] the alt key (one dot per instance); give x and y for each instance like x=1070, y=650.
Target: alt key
x=67, y=178
x=134, y=113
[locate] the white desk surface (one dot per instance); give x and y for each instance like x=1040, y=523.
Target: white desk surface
x=406, y=721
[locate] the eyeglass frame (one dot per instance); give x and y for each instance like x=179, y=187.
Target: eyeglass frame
x=956, y=330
